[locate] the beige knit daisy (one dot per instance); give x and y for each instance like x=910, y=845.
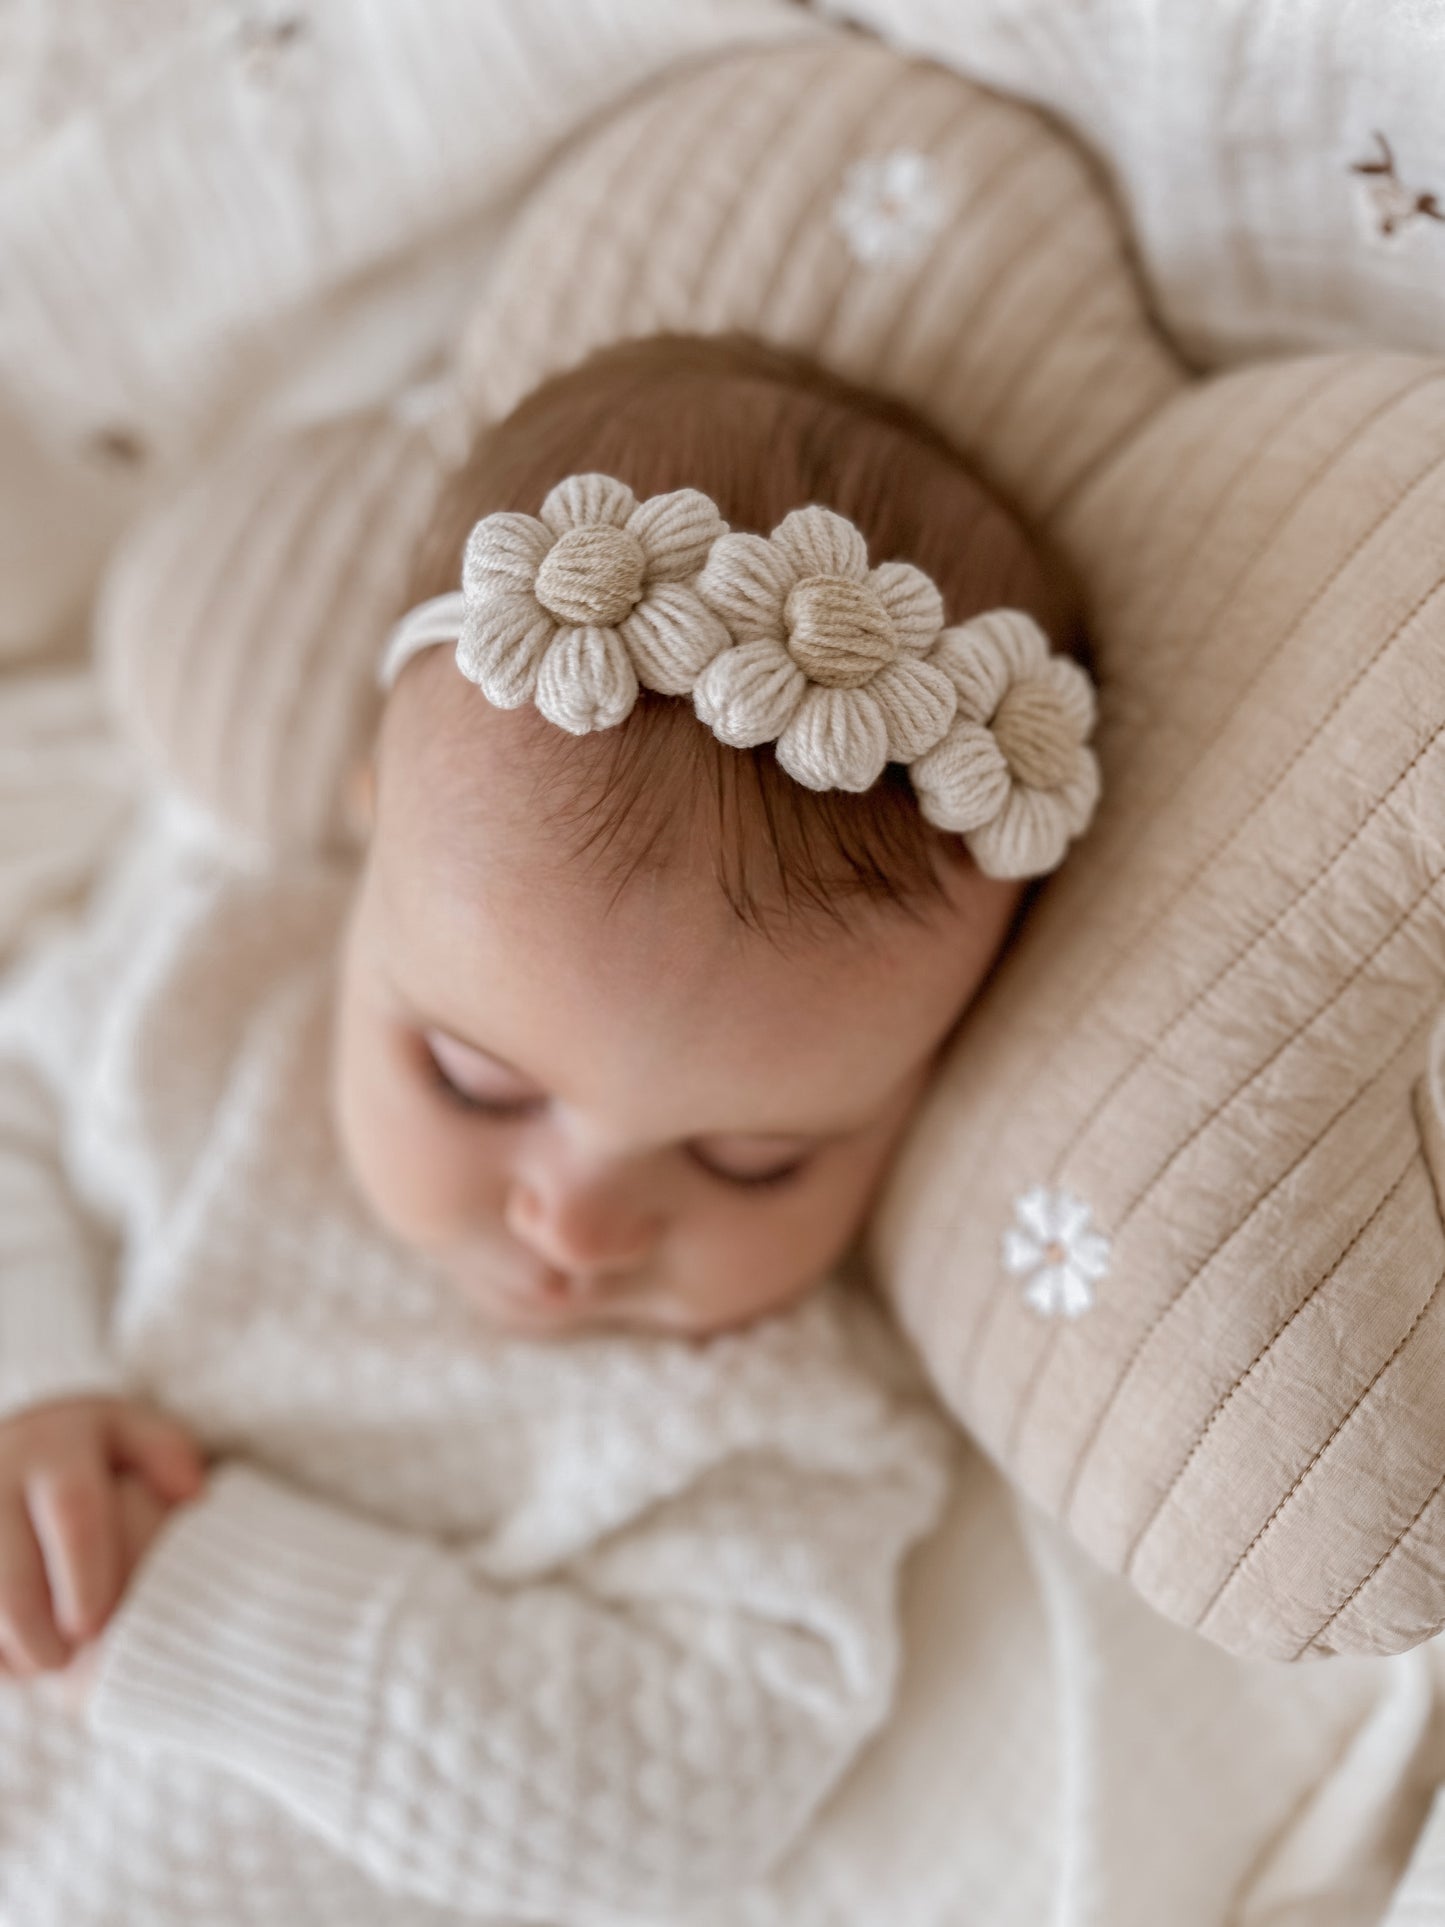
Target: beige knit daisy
x=828, y=655
x=1013, y=774
x=574, y=609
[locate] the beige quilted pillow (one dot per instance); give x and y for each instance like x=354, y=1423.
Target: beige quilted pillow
x=1210, y=1032
x=1211, y=1027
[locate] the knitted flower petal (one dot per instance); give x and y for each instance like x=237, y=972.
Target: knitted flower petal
x=837, y=740
x=974, y=664
x=1075, y=693
x=504, y=552
x=746, y=581
x=502, y=642
x=676, y=531
x=671, y=637
x=584, y=499
x=818, y=542
x=586, y=681
x=917, y=701
x=1027, y=838
x=1079, y=796
x=747, y=694
x=964, y=781
x=1024, y=646
x=912, y=602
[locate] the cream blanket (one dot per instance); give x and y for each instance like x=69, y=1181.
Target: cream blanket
x=217, y=218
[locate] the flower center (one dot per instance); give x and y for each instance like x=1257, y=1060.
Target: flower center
x=591, y=576
x=1035, y=735
x=839, y=633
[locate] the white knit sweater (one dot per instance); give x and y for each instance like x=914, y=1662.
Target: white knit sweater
x=465, y=1626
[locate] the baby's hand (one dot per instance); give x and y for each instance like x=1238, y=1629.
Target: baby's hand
x=84, y=1486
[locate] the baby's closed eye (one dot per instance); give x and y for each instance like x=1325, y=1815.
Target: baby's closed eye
x=750, y=1161
x=482, y=1084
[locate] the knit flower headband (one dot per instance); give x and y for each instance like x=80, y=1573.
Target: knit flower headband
x=788, y=639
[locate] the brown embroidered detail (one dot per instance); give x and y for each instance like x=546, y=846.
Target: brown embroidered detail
x=1395, y=205
x=121, y=447
x=262, y=40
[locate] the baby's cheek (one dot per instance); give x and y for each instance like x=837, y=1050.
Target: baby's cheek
x=756, y=1254
x=421, y=1173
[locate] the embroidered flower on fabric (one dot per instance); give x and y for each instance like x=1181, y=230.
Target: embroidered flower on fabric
x=889, y=207
x=1392, y=205
x=573, y=609
x=828, y=655
x=1052, y=1244
x=265, y=34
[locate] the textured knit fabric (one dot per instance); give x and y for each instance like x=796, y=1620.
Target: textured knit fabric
x=575, y=1632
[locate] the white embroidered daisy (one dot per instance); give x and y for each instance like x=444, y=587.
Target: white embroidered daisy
x=889, y=207
x=827, y=657
x=1053, y=1245
x=574, y=609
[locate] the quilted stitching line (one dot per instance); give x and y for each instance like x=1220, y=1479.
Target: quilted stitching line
x=1281, y=775
x=1260, y=1356
x=1026, y=240
x=1177, y=591
x=1001, y=399
x=1384, y=1559
x=1166, y=1310
x=1321, y=876
x=1410, y=1038
x=1030, y=1389
x=1371, y=1384
x=646, y=218
x=890, y=345
x=299, y=531
x=874, y=101
x=976, y=1340
x=391, y=460
x=1308, y=1023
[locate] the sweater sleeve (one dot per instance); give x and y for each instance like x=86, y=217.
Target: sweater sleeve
x=54, y=1259
x=655, y=1724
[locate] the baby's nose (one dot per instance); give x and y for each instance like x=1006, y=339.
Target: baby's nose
x=580, y=1228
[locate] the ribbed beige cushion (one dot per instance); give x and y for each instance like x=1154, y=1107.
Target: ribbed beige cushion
x=1217, y=1014
x=1211, y=1030
x=239, y=629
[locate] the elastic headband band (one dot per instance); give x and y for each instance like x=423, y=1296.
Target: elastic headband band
x=789, y=639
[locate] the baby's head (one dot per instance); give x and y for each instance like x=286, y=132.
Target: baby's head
x=631, y=1020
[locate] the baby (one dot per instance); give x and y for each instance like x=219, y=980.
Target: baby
x=448, y=1469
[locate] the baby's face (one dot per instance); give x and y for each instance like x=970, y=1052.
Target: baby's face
x=629, y=1110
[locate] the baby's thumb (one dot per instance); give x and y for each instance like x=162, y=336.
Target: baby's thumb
x=162, y=1451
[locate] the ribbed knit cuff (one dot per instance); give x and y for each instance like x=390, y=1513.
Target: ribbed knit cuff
x=254, y=1636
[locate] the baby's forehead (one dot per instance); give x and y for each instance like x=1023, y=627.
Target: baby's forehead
x=486, y=826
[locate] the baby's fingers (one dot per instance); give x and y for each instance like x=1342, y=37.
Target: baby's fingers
x=160, y=1449
x=73, y=1510
x=29, y=1642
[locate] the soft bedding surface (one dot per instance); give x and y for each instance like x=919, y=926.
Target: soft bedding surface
x=1061, y=1754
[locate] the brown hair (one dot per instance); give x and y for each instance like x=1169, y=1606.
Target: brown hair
x=761, y=432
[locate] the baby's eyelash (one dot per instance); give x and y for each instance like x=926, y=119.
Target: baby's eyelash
x=762, y=1181
x=476, y=1106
